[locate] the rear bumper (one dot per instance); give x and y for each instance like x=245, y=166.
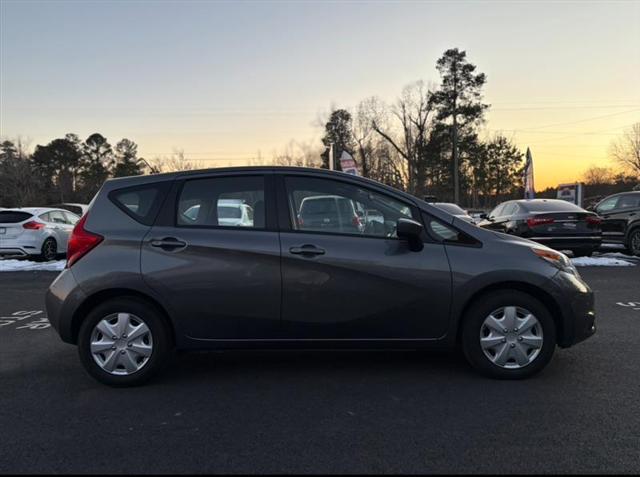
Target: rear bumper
x=569, y=243
x=62, y=300
x=22, y=246
x=577, y=308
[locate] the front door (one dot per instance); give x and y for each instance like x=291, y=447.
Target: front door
x=218, y=264
x=346, y=275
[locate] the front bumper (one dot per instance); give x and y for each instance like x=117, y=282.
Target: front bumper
x=577, y=308
x=62, y=300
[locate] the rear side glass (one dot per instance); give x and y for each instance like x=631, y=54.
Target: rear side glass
x=141, y=203
x=236, y=201
x=13, y=217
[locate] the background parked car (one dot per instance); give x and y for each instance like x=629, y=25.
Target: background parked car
x=621, y=220
x=78, y=209
x=330, y=213
x=556, y=223
x=35, y=232
x=455, y=210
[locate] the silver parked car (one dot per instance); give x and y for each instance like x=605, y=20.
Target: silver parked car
x=35, y=232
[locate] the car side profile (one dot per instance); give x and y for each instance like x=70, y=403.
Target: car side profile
x=35, y=232
x=558, y=224
x=143, y=279
x=621, y=220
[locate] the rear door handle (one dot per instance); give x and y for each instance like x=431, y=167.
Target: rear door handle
x=306, y=250
x=168, y=243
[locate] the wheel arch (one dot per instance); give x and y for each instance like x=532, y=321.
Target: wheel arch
x=544, y=297
x=101, y=296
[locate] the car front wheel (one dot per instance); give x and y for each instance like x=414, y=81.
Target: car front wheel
x=508, y=335
x=123, y=342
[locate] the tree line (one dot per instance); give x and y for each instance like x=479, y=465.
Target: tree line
x=65, y=170
x=427, y=142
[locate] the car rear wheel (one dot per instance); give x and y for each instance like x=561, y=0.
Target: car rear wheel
x=634, y=242
x=123, y=342
x=49, y=250
x=508, y=335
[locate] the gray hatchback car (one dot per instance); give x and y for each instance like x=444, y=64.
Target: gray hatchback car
x=154, y=266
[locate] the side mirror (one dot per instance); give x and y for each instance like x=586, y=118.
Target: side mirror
x=411, y=231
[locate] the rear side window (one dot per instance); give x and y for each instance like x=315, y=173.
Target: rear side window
x=13, y=217
x=629, y=201
x=222, y=202
x=141, y=203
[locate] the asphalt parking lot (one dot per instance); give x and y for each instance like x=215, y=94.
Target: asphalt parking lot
x=353, y=412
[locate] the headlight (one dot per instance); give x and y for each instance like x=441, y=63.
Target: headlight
x=557, y=259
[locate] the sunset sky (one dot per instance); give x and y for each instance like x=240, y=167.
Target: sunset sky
x=223, y=81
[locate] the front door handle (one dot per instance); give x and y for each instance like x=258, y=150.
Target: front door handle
x=306, y=250
x=168, y=243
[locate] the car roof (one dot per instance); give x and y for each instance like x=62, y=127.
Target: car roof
x=35, y=210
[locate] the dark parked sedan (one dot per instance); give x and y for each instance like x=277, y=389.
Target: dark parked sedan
x=556, y=223
x=152, y=266
x=621, y=220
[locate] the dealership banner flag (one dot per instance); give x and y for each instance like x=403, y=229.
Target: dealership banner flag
x=529, y=192
x=348, y=164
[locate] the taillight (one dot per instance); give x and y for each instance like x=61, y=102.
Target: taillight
x=533, y=221
x=33, y=225
x=356, y=221
x=594, y=220
x=81, y=242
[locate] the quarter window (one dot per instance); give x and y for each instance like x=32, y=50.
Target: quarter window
x=222, y=202
x=140, y=202
x=328, y=206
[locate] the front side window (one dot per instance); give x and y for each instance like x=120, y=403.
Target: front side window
x=57, y=217
x=72, y=218
x=607, y=204
x=328, y=206
x=222, y=202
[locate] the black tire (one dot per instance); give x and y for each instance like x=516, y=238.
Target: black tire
x=49, y=250
x=481, y=309
x=162, y=342
x=633, y=242
x=583, y=252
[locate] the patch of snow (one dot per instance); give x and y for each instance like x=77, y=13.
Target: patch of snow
x=600, y=262
x=617, y=255
x=12, y=265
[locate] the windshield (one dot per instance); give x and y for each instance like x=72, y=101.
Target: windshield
x=451, y=208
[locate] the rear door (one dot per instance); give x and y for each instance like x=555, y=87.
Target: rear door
x=222, y=281
x=357, y=282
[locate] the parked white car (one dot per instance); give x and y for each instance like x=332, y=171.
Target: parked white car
x=35, y=232
x=231, y=213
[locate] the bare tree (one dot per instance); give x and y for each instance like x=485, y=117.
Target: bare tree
x=413, y=117
x=626, y=150
x=598, y=175
x=176, y=162
x=298, y=154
